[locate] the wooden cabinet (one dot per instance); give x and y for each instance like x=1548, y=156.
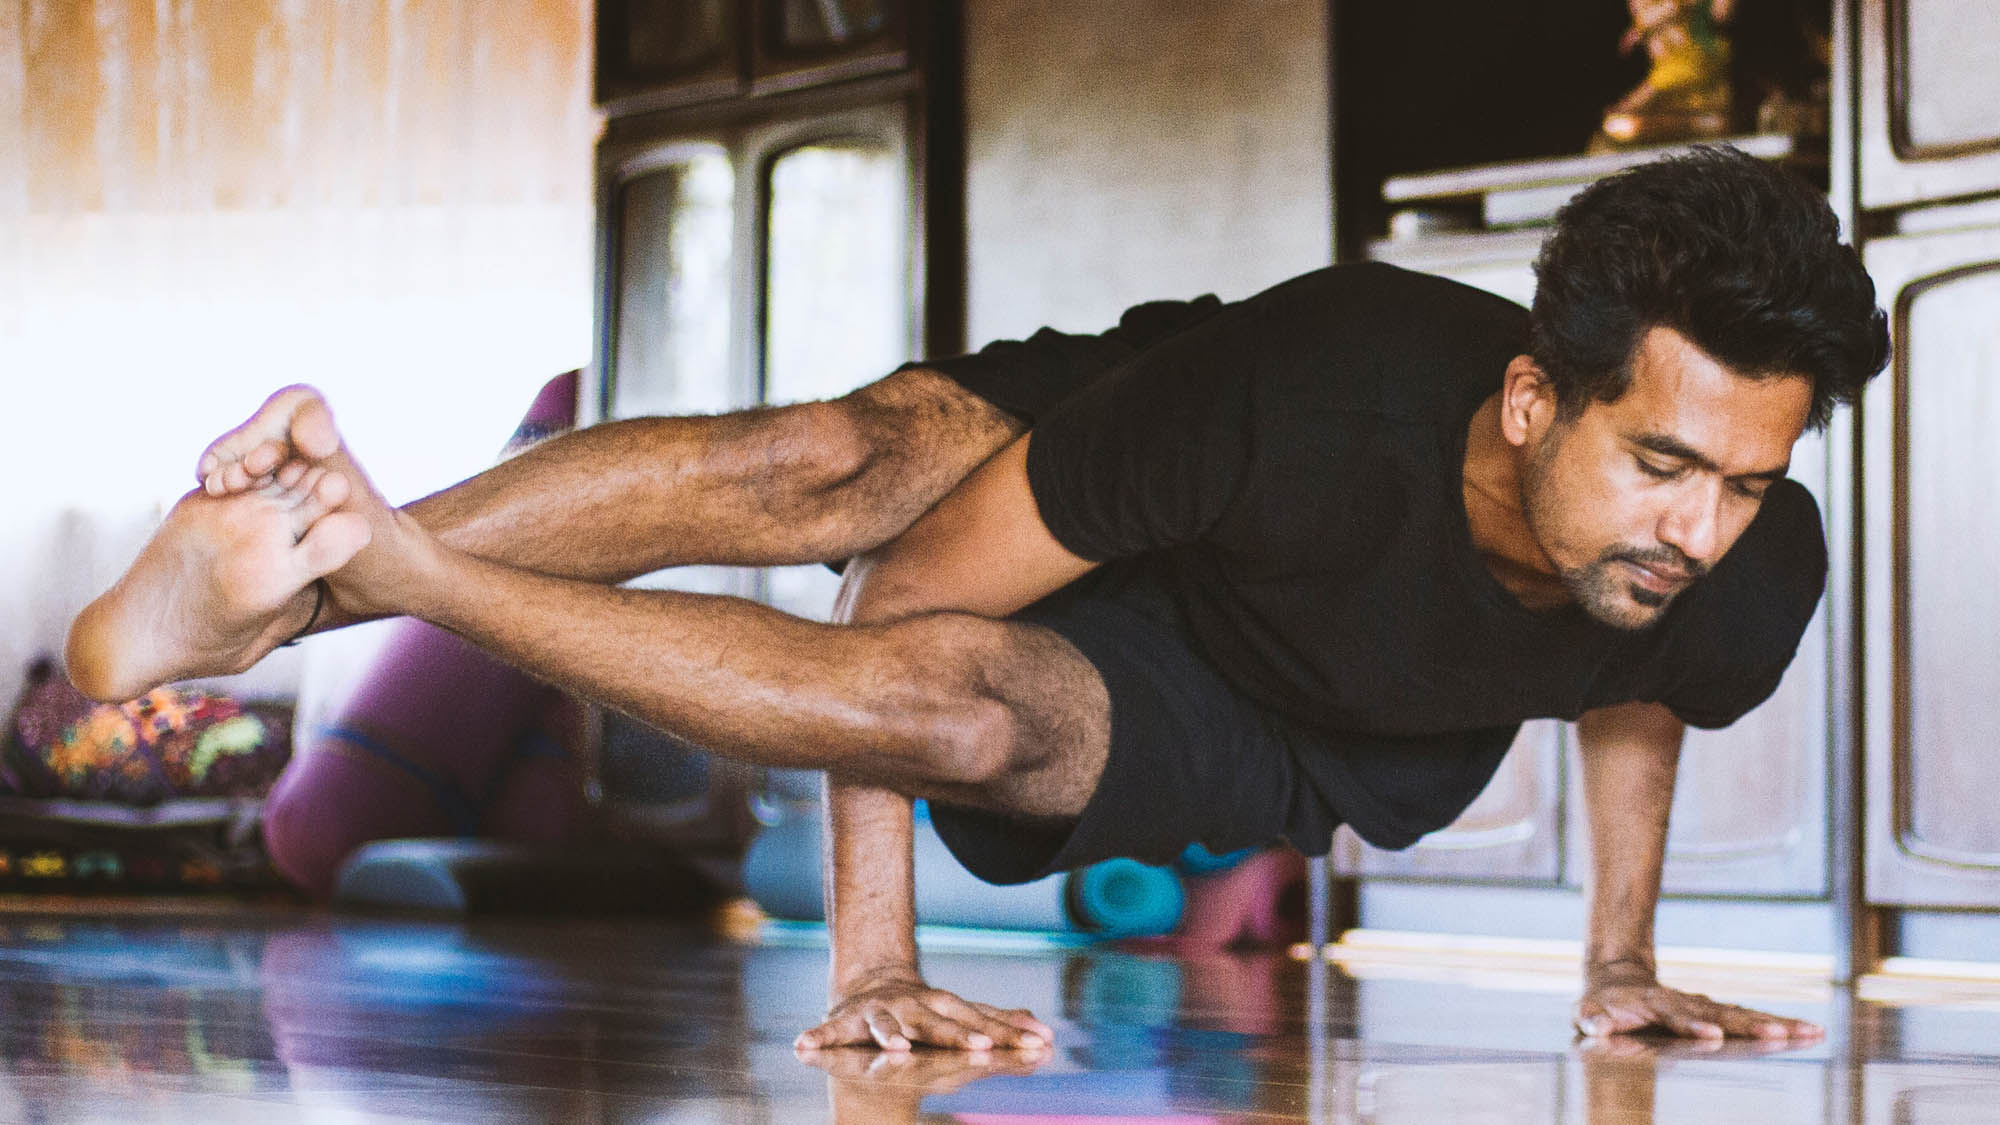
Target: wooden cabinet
x=669, y=52
x=659, y=54
x=801, y=42
x=1929, y=87
x=1933, y=548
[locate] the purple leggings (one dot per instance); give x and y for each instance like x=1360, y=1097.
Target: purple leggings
x=440, y=740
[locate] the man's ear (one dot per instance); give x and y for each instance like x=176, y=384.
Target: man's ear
x=1527, y=402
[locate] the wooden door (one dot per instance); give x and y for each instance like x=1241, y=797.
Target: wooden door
x=1930, y=100
x=1932, y=607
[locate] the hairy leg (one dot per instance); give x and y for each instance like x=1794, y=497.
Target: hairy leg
x=813, y=482
x=809, y=483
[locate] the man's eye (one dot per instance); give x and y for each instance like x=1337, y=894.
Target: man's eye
x=1656, y=471
x=1754, y=490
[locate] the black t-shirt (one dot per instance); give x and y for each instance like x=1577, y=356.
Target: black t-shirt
x=1292, y=464
x=1291, y=467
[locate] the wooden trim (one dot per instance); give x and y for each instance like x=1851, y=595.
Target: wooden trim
x=1896, y=14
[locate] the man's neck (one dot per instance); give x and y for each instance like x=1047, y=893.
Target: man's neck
x=1494, y=515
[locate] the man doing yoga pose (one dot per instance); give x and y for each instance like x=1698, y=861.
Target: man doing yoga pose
x=1228, y=573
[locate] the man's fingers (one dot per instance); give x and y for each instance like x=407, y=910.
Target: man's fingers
x=265, y=457
x=887, y=1030
x=934, y=1022
x=1626, y=1018
x=902, y=1015
x=1752, y=1024
x=848, y=1030
x=983, y=1024
x=1689, y=1026
x=1030, y=1032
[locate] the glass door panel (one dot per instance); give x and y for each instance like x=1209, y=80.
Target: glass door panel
x=812, y=27
x=673, y=291
x=837, y=310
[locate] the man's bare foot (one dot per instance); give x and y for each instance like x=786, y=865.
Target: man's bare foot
x=292, y=431
x=225, y=580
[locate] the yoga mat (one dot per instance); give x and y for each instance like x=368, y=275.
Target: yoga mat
x=1125, y=898
x=782, y=873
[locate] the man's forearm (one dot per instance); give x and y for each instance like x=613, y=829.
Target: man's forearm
x=871, y=892
x=1630, y=756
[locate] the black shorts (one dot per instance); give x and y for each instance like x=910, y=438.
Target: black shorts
x=1194, y=760
x=1191, y=758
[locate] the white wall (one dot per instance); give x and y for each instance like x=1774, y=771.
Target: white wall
x=200, y=202
x=1125, y=150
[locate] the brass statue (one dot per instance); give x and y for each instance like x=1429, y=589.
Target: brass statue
x=1687, y=94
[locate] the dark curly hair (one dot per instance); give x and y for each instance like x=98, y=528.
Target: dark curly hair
x=1738, y=255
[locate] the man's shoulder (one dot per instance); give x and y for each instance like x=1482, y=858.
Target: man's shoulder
x=1377, y=339
x=1380, y=285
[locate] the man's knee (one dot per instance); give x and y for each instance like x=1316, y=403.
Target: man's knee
x=991, y=717
x=822, y=446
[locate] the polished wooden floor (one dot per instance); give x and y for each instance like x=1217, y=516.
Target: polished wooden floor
x=276, y=1015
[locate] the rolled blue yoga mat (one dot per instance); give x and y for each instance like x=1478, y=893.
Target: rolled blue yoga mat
x=1122, y=898
x=1125, y=898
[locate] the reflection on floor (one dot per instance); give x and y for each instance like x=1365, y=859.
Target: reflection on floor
x=275, y=1015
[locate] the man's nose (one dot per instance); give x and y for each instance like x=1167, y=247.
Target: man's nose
x=1689, y=524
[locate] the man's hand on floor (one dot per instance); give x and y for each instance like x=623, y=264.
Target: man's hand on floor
x=899, y=1011
x=1632, y=1000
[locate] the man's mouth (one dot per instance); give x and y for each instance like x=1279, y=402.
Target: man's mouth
x=1659, y=580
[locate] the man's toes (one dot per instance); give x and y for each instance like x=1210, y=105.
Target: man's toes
x=318, y=491
x=267, y=457
x=266, y=439
x=330, y=544
x=313, y=433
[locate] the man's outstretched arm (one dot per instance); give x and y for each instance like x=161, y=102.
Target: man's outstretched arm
x=1630, y=756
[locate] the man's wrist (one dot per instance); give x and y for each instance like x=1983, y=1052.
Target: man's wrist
x=1616, y=968
x=847, y=982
